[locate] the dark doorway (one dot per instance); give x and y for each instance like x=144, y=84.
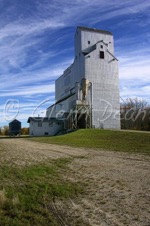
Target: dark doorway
x=81, y=121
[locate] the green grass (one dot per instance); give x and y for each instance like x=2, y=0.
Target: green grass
x=103, y=139
x=26, y=193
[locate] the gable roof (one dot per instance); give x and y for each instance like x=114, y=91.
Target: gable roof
x=94, y=30
x=42, y=119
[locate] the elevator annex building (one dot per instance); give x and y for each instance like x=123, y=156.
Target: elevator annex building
x=87, y=93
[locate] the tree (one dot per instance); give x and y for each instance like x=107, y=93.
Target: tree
x=4, y=131
x=135, y=114
x=25, y=131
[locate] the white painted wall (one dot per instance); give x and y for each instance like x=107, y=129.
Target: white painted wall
x=49, y=129
x=103, y=73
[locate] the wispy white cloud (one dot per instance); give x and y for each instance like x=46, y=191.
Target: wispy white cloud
x=23, y=91
x=136, y=92
x=12, y=108
x=134, y=74
x=135, y=65
x=9, y=84
x=19, y=28
x=115, y=9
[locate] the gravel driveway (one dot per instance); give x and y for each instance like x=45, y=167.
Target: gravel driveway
x=117, y=184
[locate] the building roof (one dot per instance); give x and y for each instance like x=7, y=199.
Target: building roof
x=94, y=30
x=15, y=120
x=59, y=101
x=42, y=119
x=50, y=106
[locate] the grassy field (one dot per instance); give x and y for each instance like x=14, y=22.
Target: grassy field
x=103, y=139
x=27, y=194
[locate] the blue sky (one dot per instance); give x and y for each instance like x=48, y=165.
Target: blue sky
x=37, y=45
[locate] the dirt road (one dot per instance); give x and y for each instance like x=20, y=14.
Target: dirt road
x=117, y=184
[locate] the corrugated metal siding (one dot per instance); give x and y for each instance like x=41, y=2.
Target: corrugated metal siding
x=102, y=73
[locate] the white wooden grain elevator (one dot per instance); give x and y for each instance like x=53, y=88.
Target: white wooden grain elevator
x=87, y=93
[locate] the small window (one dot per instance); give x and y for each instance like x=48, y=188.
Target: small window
x=101, y=46
x=89, y=42
x=101, y=55
x=39, y=124
x=46, y=133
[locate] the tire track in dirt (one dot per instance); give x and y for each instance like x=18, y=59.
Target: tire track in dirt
x=117, y=185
